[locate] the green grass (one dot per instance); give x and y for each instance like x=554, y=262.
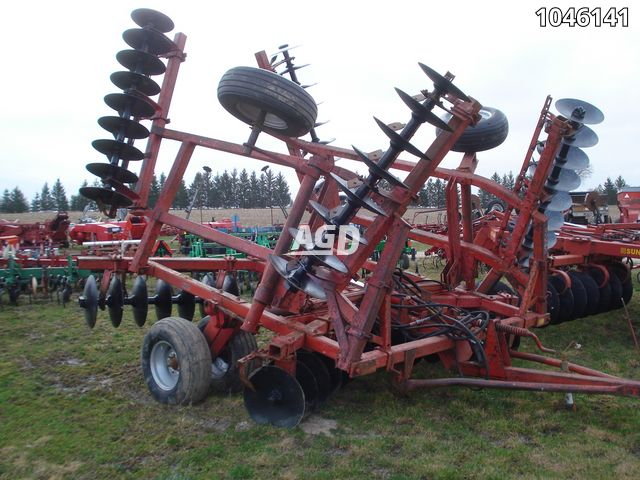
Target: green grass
x=73, y=405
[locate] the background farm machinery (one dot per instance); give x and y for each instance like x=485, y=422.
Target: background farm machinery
x=326, y=323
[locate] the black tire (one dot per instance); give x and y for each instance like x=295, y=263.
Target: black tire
x=553, y=305
x=593, y=293
x=624, y=275
x=490, y=131
x=604, y=289
x=616, y=289
x=566, y=298
x=176, y=362
x=225, y=376
x=495, y=206
x=245, y=92
x=579, y=296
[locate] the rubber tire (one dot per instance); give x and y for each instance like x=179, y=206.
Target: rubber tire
x=566, y=298
x=193, y=355
x=605, y=290
x=616, y=289
x=495, y=205
x=490, y=131
x=579, y=296
x=245, y=91
x=593, y=292
x=625, y=279
x=241, y=344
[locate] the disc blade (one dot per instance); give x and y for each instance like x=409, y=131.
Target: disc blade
x=123, y=127
x=574, y=159
x=441, y=83
x=122, y=150
x=305, y=282
x=583, y=138
x=108, y=171
x=66, y=294
x=89, y=301
x=186, y=305
x=555, y=221
x=139, y=301
x=141, y=62
x=422, y=113
x=354, y=199
x=230, y=285
x=276, y=398
x=115, y=301
x=399, y=141
x=210, y=281
x=336, y=376
x=560, y=202
x=128, y=104
x=552, y=238
x=105, y=196
x=135, y=81
x=567, y=180
x=579, y=111
x=148, y=18
x=148, y=41
x=319, y=371
x=322, y=211
x=162, y=300
x=332, y=262
x=309, y=385
x=377, y=171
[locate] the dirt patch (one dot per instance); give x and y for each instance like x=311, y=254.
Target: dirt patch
x=316, y=425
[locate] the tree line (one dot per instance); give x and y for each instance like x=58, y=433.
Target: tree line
x=227, y=190
x=432, y=195
x=233, y=189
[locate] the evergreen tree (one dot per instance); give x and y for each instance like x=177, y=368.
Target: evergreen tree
x=5, y=203
x=19, y=202
x=182, y=196
x=254, y=190
x=78, y=202
x=620, y=183
x=215, y=192
x=233, y=188
x=154, y=191
x=439, y=193
x=46, y=200
x=59, y=196
x=609, y=189
x=163, y=178
x=244, y=189
x=267, y=181
x=225, y=189
x=281, y=187
x=35, y=203
x=508, y=181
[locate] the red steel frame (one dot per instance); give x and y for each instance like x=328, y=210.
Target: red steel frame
x=342, y=326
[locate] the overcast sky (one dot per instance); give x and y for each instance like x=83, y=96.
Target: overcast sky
x=58, y=57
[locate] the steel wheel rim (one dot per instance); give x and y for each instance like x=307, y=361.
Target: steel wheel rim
x=252, y=112
x=219, y=368
x=165, y=368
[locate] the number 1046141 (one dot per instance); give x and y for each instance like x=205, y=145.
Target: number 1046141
x=583, y=17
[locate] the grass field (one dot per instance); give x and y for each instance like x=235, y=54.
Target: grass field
x=73, y=404
x=249, y=217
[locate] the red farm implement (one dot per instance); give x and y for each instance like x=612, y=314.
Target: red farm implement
x=327, y=323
